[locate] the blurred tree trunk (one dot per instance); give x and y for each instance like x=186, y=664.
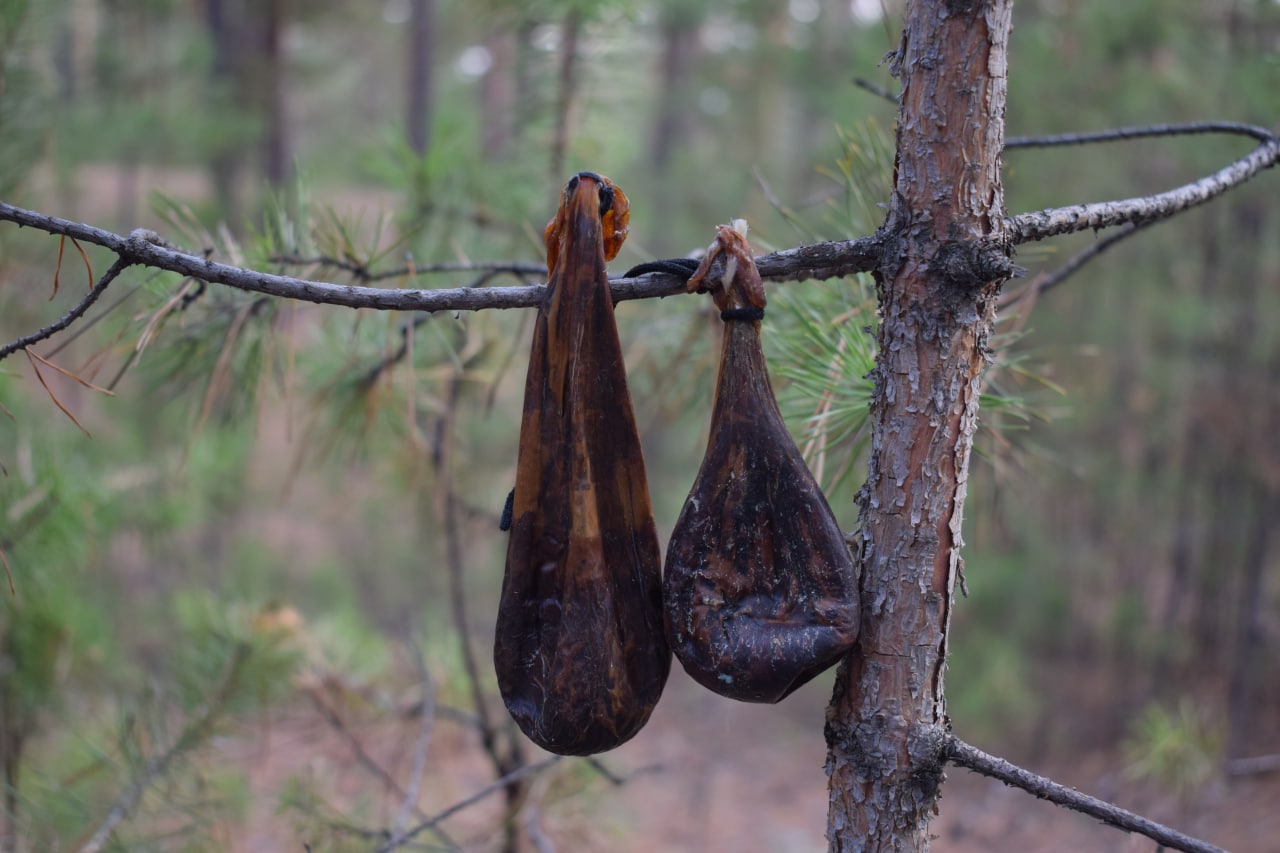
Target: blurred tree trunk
x=498, y=95
x=116, y=38
x=226, y=160
x=937, y=292
x=64, y=60
x=1249, y=637
x=1251, y=460
x=567, y=84
x=421, y=57
x=526, y=92
x=679, y=50
x=274, y=96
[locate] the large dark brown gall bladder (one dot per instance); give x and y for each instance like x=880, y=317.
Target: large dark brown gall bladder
x=580, y=651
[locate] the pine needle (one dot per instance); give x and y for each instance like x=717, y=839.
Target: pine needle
x=85, y=257
x=8, y=571
x=57, y=270
x=220, y=376
x=67, y=373
x=54, y=397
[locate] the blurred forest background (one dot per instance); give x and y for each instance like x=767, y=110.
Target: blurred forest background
x=237, y=608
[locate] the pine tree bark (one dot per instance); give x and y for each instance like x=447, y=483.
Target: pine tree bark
x=937, y=293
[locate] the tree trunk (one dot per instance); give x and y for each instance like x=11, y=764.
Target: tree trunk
x=937, y=294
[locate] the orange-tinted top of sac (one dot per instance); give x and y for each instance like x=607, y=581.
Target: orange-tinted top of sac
x=586, y=196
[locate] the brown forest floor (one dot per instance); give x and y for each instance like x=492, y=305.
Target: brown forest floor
x=708, y=774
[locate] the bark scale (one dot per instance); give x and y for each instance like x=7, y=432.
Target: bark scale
x=937, y=287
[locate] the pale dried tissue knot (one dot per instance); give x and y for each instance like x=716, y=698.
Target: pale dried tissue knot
x=146, y=235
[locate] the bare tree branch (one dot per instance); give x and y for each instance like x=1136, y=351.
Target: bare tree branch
x=958, y=752
x=490, y=789
x=358, y=751
x=819, y=260
x=1027, y=227
x=409, y=805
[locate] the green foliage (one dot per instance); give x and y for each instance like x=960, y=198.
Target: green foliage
x=820, y=339
x=990, y=692
x=24, y=107
x=1178, y=749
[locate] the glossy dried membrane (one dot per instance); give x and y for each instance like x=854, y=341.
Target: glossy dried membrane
x=759, y=588
x=580, y=652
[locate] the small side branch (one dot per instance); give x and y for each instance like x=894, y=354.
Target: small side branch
x=1027, y=227
x=961, y=753
x=71, y=316
x=1047, y=281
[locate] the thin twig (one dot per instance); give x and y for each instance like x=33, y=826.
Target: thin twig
x=367, y=761
x=959, y=752
x=195, y=732
x=71, y=316
x=409, y=805
x=93, y=321
x=357, y=748
x=485, y=792
x=875, y=89
x=1048, y=281
x=533, y=829
x=1120, y=134
x=600, y=767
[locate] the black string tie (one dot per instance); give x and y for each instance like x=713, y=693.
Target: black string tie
x=750, y=314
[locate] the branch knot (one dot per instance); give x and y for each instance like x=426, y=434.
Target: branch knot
x=970, y=264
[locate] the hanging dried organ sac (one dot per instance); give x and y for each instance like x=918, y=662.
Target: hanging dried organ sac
x=760, y=589
x=581, y=654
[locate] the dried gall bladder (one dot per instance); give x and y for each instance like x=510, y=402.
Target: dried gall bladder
x=760, y=589
x=580, y=652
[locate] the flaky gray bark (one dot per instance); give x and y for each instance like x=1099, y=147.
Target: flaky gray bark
x=937, y=296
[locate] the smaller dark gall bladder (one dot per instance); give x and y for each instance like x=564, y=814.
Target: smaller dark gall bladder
x=760, y=589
